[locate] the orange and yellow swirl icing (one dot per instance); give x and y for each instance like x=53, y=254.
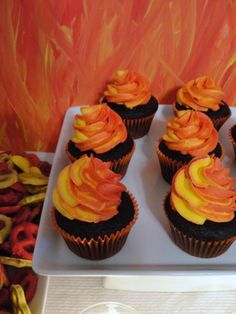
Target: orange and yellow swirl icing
x=98, y=128
x=200, y=94
x=128, y=88
x=88, y=190
x=191, y=132
x=203, y=190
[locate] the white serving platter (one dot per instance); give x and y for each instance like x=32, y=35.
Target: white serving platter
x=149, y=249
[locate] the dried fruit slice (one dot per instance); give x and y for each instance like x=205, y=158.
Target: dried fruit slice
x=21, y=162
x=18, y=300
x=7, y=178
x=5, y=227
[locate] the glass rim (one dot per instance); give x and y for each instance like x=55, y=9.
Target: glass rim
x=117, y=304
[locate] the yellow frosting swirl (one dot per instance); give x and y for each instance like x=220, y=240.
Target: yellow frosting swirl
x=128, y=88
x=98, y=128
x=203, y=190
x=88, y=190
x=191, y=132
x=200, y=94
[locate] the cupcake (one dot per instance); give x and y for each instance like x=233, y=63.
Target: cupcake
x=232, y=136
x=200, y=207
x=189, y=134
x=93, y=211
x=100, y=131
x=203, y=95
x=129, y=95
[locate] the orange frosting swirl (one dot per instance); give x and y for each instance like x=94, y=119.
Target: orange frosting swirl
x=203, y=190
x=191, y=132
x=128, y=88
x=200, y=94
x=88, y=190
x=98, y=128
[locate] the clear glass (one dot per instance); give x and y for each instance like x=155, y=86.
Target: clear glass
x=109, y=308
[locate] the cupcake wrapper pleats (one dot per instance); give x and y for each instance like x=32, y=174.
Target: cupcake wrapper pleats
x=199, y=248
x=139, y=127
x=121, y=165
x=101, y=248
x=218, y=122
x=168, y=166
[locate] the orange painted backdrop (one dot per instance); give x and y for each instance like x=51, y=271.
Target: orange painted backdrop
x=58, y=53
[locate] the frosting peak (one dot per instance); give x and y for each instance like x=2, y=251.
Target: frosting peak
x=203, y=190
x=98, y=128
x=191, y=132
x=128, y=88
x=200, y=94
x=88, y=190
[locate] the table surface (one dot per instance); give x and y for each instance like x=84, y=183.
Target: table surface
x=72, y=294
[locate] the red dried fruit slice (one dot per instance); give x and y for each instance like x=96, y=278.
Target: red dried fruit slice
x=23, y=214
x=7, y=210
x=28, y=280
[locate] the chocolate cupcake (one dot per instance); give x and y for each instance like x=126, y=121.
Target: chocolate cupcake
x=203, y=95
x=200, y=208
x=129, y=95
x=189, y=134
x=100, y=131
x=93, y=211
x=232, y=137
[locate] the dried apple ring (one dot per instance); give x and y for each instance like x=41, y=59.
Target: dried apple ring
x=19, y=303
x=9, y=209
x=7, y=178
x=28, y=281
x=23, y=214
x=4, y=297
x=16, y=262
x=32, y=199
x=21, y=162
x=5, y=227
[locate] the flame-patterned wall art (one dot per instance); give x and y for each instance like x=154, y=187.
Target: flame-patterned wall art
x=59, y=53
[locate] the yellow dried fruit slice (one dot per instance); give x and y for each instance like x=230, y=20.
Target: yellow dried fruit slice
x=6, y=229
x=33, y=178
x=33, y=189
x=21, y=162
x=16, y=262
x=19, y=304
x=32, y=199
x=7, y=178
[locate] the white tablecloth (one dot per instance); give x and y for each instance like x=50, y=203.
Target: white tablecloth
x=69, y=295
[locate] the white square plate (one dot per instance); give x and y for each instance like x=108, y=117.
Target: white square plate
x=149, y=249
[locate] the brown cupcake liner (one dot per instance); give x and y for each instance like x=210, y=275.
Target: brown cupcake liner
x=196, y=247
x=218, y=122
x=118, y=166
x=170, y=166
x=199, y=248
x=121, y=165
x=70, y=156
x=139, y=127
x=232, y=140
x=105, y=246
